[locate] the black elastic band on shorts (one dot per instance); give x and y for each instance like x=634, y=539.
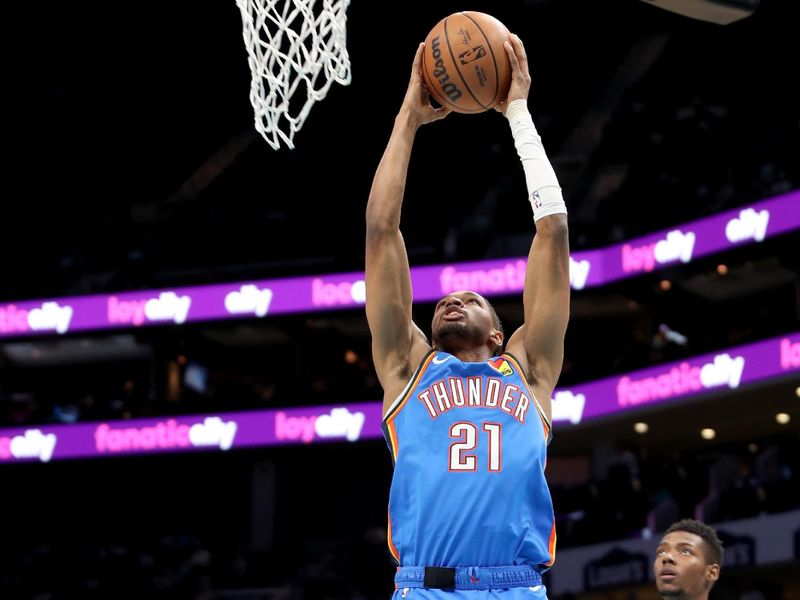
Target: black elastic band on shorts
x=443, y=578
x=468, y=578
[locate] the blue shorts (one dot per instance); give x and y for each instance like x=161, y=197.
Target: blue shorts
x=519, y=582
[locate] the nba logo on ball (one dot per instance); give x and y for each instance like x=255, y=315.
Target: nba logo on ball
x=537, y=201
x=472, y=54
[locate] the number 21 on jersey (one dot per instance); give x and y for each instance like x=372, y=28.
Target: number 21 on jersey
x=461, y=457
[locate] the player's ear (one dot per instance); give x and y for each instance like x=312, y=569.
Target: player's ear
x=497, y=337
x=712, y=573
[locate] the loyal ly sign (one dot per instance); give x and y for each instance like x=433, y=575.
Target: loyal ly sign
x=616, y=568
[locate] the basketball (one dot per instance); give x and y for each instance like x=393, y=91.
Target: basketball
x=464, y=64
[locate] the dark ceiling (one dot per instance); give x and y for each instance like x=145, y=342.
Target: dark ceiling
x=113, y=108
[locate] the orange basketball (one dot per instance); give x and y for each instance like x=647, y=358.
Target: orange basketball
x=464, y=64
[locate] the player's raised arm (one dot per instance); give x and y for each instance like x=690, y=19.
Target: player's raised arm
x=397, y=344
x=546, y=294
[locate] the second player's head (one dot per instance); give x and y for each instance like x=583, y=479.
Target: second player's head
x=465, y=321
x=688, y=561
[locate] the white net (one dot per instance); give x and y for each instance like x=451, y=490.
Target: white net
x=294, y=47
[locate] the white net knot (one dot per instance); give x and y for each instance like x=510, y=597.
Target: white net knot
x=294, y=47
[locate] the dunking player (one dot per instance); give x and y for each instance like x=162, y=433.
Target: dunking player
x=467, y=426
x=688, y=560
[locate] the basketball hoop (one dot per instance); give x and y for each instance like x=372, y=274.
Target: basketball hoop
x=294, y=47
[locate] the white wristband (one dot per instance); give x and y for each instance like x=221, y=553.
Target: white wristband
x=544, y=192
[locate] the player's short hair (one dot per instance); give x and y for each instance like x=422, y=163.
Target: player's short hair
x=498, y=324
x=713, y=546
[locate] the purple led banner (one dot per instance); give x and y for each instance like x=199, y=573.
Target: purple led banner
x=259, y=299
x=721, y=232
x=725, y=370
x=219, y=432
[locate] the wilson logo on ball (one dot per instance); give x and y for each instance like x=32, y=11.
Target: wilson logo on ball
x=440, y=72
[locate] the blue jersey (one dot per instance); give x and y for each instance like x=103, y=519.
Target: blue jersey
x=469, y=443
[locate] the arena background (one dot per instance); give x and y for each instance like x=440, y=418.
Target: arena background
x=132, y=165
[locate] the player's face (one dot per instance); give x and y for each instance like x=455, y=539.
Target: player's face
x=462, y=314
x=680, y=566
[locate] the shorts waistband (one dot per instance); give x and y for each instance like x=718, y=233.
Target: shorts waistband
x=468, y=578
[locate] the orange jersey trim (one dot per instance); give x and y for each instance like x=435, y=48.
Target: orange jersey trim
x=392, y=438
x=539, y=409
x=392, y=550
x=395, y=410
x=551, y=546
x=394, y=442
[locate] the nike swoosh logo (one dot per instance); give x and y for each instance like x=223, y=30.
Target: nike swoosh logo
x=438, y=361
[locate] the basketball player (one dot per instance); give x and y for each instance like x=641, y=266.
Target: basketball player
x=467, y=425
x=688, y=561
